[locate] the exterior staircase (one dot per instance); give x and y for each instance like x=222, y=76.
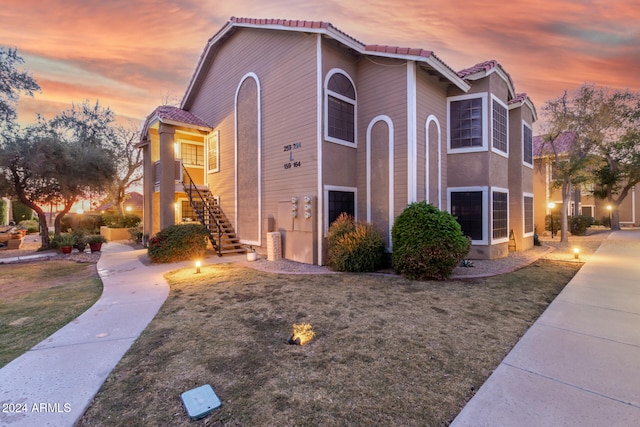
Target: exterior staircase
x=206, y=207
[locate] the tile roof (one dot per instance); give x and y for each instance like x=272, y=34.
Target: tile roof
x=396, y=50
x=483, y=66
x=520, y=97
x=562, y=144
x=318, y=27
x=167, y=112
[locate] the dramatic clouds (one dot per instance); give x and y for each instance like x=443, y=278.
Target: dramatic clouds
x=135, y=54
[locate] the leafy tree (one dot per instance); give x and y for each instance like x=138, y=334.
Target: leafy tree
x=604, y=126
x=610, y=120
x=12, y=83
x=128, y=165
x=564, y=146
x=60, y=160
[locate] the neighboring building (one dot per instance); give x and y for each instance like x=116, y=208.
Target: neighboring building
x=582, y=201
x=286, y=124
x=134, y=205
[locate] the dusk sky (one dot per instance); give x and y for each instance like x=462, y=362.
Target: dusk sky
x=134, y=55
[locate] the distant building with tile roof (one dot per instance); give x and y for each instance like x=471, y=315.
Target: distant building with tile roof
x=285, y=124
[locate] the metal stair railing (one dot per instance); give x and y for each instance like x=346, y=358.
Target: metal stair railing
x=190, y=189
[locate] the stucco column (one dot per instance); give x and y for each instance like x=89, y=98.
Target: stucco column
x=167, y=176
x=147, y=189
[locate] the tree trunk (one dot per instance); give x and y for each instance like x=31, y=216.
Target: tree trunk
x=564, y=220
x=57, y=224
x=615, y=218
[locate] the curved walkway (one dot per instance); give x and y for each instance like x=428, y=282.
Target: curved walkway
x=53, y=383
x=578, y=364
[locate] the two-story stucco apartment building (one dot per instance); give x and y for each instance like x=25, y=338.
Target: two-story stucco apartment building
x=286, y=124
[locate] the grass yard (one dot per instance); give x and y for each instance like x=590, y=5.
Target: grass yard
x=387, y=351
x=37, y=299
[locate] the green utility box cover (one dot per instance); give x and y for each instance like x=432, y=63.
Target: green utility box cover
x=200, y=402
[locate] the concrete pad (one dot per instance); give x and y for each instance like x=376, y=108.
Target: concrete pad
x=64, y=379
x=512, y=397
x=601, y=366
x=598, y=322
x=609, y=298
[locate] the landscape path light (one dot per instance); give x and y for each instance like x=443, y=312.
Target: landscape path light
x=551, y=206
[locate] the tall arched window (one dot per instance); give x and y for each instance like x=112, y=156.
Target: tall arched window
x=340, y=109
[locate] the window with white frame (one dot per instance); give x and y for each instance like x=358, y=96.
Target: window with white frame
x=466, y=117
x=528, y=214
x=213, y=151
x=500, y=214
x=192, y=154
x=500, y=126
x=340, y=109
x=338, y=200
x=467, y=207
x=527, y=145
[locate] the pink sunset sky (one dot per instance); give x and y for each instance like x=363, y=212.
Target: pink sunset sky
x=133, y=55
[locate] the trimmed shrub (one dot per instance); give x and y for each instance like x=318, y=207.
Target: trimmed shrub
x=178, y=243
x=32, y=225
x=119, y=221
x=21, y=212
x=353, y=246
x=427, y=243
x=578, y=224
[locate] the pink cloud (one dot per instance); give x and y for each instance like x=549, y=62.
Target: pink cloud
x=134, y=53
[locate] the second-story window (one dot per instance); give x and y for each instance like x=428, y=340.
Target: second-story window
x=500, y=125
x=192, y=154
x=466, y=123
x=340, y=110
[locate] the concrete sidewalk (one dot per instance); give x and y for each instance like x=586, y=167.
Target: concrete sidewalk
x=54, y=382
x=579, y=364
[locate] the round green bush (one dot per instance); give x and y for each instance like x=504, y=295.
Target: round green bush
x=178, y=243
x=354, y=246
x=427, y=243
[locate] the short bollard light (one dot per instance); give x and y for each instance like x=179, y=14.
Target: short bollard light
x=198, y=265
x=576, y=253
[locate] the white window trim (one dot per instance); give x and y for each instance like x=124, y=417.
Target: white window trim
x=389, y=122
x=433, y=119
x=328, y=188
x=525, y=234
x=213, y=138
x=506, y=108
x=485, y=213
x=501, y=239
x=529, y=165
x=250, y=75
x=180, y=143
x=328, y=92
x=485, y=126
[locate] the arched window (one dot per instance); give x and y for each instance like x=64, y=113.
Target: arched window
x=340, y=109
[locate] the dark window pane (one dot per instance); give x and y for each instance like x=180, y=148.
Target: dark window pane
x=341, y=117
x=500, y=222
x=466, y=123
x=466, y=207
x=339, y=83
x=339, y=202
x=528, y=144
x=499, y=127
x=528, y=214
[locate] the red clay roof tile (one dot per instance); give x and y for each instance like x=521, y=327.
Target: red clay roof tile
x=167, y=112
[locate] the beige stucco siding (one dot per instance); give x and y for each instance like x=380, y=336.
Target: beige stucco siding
x=431, y=101
x=284, y=64
x=382, y=89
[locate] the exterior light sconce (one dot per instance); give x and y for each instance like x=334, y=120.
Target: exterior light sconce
x=576, y=253
x=198, y=265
